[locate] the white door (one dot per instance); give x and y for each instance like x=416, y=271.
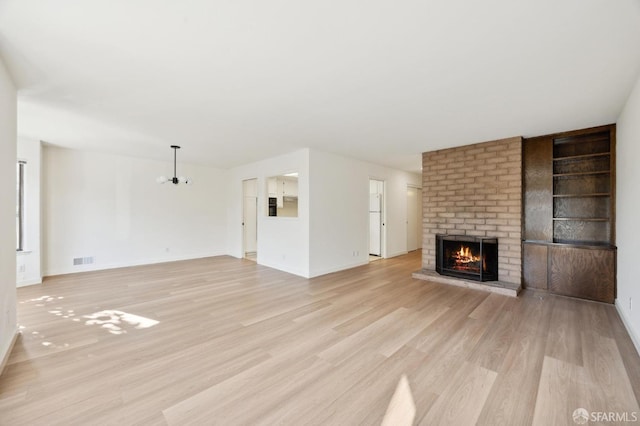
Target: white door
x=412, y=219
x=374, y=233
x=250, y=216
x=250, y=224
x=376, y=224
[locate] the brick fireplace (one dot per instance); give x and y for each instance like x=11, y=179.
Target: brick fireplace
x=475, y=190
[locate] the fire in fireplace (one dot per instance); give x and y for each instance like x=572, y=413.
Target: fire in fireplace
x=462, y=256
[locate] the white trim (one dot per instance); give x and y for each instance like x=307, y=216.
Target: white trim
x=398, y=253
x=284, y=268
x=26, y=283
x=99, y=267
x=627, y=324
x=5, y=356
x=338, y=268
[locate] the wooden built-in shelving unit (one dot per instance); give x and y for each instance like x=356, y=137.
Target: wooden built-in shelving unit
x=569, y=213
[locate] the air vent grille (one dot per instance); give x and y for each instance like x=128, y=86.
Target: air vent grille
x=82, y=260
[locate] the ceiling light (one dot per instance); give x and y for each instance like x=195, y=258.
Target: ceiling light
x=175, y=180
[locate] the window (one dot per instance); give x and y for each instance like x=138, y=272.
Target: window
x=20, y=206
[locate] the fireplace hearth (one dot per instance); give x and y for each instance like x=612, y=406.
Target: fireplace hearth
x=462, y=256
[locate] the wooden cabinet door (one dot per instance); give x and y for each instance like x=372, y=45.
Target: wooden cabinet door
x=583, y=272
x=534, y=266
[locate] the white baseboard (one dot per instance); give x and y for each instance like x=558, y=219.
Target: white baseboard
x=399, y=253
x=285, y=268
x=331, y=270
x=5, y=356
x=29, y=282
x=100, y=267
x=627, y=324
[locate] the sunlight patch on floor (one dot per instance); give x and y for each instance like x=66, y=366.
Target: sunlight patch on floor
x=402, y=409
x=116, y=321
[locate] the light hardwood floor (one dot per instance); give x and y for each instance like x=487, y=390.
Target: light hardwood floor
x=226, y=341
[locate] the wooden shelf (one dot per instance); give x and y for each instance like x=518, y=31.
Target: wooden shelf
x=605, y=172
x=594, y=245
x=582, y=156
x=595, y=194
x=584, y=219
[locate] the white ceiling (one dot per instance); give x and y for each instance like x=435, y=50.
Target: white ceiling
x=240, y=80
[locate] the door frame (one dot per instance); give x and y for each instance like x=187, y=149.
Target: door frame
x=242, y=218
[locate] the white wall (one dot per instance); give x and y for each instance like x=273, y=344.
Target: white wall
x=283, y=242
x=339, y=221
x=627, y=208
x=111, y=208
x=8, y=120
x=339, y=189
x=28, y=265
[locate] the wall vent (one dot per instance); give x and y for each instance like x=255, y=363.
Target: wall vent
x=82, y=260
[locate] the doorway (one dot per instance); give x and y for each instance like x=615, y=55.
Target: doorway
x=376, y=219
x=250, y=219
x=414, y=218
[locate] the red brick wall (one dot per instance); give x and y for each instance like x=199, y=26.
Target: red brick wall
x=475, y=190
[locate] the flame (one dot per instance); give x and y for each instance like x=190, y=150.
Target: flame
x=464, y=255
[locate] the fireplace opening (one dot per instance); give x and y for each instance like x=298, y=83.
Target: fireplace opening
x=462, y=256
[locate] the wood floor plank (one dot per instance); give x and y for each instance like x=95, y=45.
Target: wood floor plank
x=469, y=388
x=628, y=352
x=563, y=389
x=499, y=335
x=513, y=397
x=611, y=390
x=445, y=363
x=490, y=307
x=564, y=342
x=371, y=336
x=309, y=403
x=366, y=401
x=226, y=341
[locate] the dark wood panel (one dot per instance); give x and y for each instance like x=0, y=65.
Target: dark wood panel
x=600, y=163
x=591, y=143
x=612, y=167
x=583, y=207
x=538, y=189
x=582, y=184
x=585, y=273
x=581, y=231
x=534, y=266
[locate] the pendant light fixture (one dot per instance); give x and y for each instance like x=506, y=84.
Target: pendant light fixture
x=175, y=179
